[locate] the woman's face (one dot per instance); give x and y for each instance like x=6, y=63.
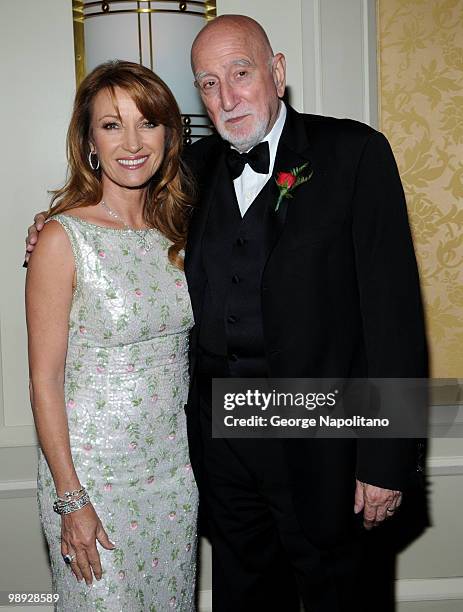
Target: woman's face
x=129, y=147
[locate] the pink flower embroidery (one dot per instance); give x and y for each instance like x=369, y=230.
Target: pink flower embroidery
x=155, y=562
x=71, y=404
x=179, y=283
x=133, y=445
x=188, y=467
x=121, y=575
x=101, y=254
x=133, y=525
x=150, y=480
x=82, y=329
x=172, y=601
x=99, y=369
x=138, y=292
x=154, y=397
x=188, y=547
x=162, y=327
x=108, y=486
x=171, y=436
x=130, y=367
x=172, y=516
x=87, y=447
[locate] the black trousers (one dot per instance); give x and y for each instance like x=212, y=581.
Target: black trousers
x=262, y=560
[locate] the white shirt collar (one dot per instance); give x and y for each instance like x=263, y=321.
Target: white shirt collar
x=249, y=183
x=273, y=137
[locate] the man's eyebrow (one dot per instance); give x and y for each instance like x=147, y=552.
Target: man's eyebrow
x=241, y=62
x=238, y=62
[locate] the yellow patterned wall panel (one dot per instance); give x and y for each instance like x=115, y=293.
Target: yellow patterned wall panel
x=421, y=99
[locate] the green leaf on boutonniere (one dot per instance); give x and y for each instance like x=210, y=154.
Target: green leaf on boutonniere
x=288, y=181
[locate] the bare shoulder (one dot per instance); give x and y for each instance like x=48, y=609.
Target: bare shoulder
x=53, y=250
x=53, y=235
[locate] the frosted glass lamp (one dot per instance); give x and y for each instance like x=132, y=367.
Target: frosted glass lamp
x=155, y=33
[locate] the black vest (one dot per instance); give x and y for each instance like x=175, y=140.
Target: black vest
x=233, y=257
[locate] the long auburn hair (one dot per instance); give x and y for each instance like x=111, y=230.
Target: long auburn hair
x=170, y=193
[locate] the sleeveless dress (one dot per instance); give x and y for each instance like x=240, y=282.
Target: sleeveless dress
x=126, y=383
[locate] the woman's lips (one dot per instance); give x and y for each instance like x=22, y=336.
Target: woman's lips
x=132, y=163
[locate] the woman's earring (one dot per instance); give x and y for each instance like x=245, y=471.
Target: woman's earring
x=90, y=161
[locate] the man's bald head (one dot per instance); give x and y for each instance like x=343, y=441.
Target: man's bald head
x=239, y=78
x=237, y=25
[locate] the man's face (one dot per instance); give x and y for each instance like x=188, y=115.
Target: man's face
x=240, y=85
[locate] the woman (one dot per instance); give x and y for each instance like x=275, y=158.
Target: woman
x=108, y=316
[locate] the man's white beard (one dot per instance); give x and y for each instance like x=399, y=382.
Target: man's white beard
x=246, y=141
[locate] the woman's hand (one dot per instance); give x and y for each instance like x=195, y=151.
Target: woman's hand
x=79, y=532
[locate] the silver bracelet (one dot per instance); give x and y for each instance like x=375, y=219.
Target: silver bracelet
x=72, y=505
x=68, y=495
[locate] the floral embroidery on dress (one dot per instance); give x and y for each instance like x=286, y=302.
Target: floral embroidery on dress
x=126, y=383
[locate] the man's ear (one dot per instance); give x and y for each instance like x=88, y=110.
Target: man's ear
x=279, y=73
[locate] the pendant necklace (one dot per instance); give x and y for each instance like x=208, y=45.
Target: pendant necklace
x=142, y=235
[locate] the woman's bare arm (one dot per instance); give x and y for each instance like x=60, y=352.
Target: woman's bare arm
x=48, y=301
x=49, y=285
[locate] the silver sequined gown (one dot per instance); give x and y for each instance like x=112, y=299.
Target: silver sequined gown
x=126, y=383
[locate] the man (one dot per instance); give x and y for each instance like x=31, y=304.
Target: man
x=321, y=285
x=325, y=286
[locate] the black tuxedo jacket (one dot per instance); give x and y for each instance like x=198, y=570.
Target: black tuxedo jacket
x=340, y=291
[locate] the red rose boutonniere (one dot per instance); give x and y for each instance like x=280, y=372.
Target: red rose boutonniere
x=288, y=181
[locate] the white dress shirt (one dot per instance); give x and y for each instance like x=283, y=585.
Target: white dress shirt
x=249, y=184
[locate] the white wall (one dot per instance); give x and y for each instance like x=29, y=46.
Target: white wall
x=339, y=58
x=327, y=43
x=37, y=77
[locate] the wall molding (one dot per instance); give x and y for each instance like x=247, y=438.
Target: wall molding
x=205, y=601
x=445, y=466
x=339, y=59
x=12, y=436
x=437, y=466
x=429, y=589
x=370, y=63
x=317, y=55
x=312, y=57
x=13, y=489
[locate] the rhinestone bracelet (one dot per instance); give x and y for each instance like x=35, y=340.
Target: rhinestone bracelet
x=68, y=495
x=72, y=505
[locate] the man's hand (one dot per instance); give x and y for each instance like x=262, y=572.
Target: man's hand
x=376, y=503
x=33, y=234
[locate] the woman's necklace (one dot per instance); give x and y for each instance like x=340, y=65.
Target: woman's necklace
x=145, y=243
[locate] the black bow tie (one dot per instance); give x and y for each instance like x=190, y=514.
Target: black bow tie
x=258, y=158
